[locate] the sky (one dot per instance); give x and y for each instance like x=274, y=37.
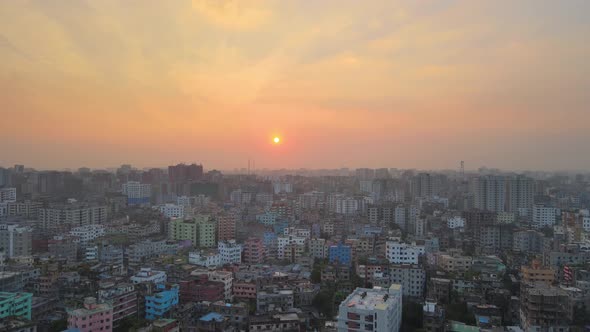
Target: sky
x=344, y=83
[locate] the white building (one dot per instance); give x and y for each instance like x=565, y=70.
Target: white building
x=88, y=233
x=455, y=222
x=7, y=195
x=403, y=253
x=284, y=241
x=146, y=274
x=172, y=211
x=301, y=232
x=378, y=309
x=225, y=277
x=282, y=187
x=544, y=216
x=16, y=240
x=411, y=277
x=91, y=253
x=586, y=223
x=230, y=252
x=204, y=258
x=137, y=193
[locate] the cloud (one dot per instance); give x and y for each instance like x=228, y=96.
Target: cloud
x=233, y=14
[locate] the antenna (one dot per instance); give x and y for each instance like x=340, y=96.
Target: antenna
x=462, y=168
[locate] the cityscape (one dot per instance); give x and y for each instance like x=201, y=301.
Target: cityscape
x=294, y=166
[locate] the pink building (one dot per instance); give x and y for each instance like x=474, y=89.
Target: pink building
x=253, y=251
x=244, y=289
x=92, y=318
x=226, y=228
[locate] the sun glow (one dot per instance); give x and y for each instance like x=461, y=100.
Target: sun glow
x=276, y=140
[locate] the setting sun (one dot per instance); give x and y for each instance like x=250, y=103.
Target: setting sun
x=276, y=140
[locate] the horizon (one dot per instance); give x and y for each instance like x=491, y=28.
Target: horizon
x=412, y=84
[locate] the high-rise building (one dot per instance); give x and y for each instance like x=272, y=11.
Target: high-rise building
x=67, y=216
x=378, y=309
x=253, y=251
x=544, y=216
x=7, y=195
x=489, y=193
x=206, y=229
x=184, y=173
x=16, y=240
x=180, y=229
x=427, y=185
x=121, y=297
x=226, y=228
x=520, y=193
x=137, y=193
x=230, y=252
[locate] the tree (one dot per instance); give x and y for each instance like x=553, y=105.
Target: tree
x=411, y=316
x=58, y=325
x=324, y=303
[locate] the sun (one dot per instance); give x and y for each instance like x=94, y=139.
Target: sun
x=276, y=140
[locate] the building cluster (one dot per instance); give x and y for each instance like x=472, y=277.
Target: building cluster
x=181, y=249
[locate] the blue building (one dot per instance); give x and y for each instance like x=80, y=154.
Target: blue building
x=340, y=254
x=157, y=305
x=269, y=238
x=280, y=225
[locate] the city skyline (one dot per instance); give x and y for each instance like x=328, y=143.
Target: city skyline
x=343, y=84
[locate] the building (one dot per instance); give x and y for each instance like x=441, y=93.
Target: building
x=87, y=233
x=181, y=229
x=15, y=304
x=146, y=274
x=378, y=309
x=272, y=298
x=230, y=252
x=403, y=253
x=489, y=193
x=66, y=216
x=200, y=288
x=536, y=273
x=427, y=185
x=172, y=211
x=454, y=263
x=433, y=317
x=205, y=258
x=290, y=247
x=161, y=302
x=411, y=277
x=7, y=195
x=92, y=317
x=544, y=308
x=282, y=188
x=544, y=216
x=340, y=254
x=253, y=251
x=455, y=222
x=137, y=193
x=121, y=297
x=185, y=173
x=226, y=228
x=520, y=193
x=16, y=240
x=317, y=248
x=206, y=231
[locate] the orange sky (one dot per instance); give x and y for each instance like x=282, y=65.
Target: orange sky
x=420, y=84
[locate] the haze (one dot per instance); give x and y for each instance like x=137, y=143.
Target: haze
x=344, y=83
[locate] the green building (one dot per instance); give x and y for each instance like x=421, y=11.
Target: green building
x=207, y=228
x=180, y=229
x=15, y=304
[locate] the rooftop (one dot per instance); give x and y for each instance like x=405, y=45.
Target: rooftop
x=371, y=299
x=212, y=316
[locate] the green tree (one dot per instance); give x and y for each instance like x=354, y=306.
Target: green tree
x=58, y=325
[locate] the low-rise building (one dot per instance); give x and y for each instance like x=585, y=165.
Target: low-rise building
x=92, y=317
x=377, y=309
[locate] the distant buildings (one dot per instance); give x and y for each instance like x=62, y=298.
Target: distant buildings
x=544, y=216
x=377, y=309
x=172, y=211
x=16, y=240
x=66, y=216
x=137, y=193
